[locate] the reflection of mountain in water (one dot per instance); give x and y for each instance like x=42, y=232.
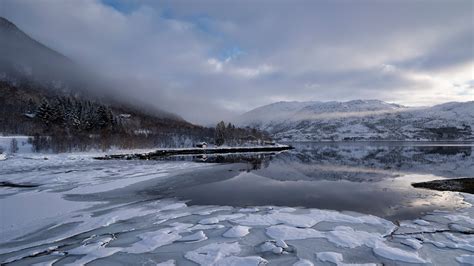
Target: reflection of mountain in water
x=327, y=176
x=364, y=162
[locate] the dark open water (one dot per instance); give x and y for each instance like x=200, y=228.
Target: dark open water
x=373, y=178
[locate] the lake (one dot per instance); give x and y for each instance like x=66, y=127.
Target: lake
x=367, y=177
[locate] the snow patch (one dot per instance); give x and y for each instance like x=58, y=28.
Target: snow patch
x=237, y=231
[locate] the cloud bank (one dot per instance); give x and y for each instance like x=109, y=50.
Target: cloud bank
x=209, y=60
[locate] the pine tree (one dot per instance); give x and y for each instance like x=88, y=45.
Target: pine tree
x=45, y=112
x=104, y=118
x=219, y=137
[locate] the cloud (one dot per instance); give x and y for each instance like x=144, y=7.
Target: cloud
x=210, y=60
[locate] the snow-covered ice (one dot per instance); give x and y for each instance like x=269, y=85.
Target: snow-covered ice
x=237, y=231
x=84, y=211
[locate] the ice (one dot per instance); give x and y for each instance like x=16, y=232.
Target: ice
x=241, y=261
x=267, y=246
x=345, y=236
x=461, y=218
x=281, y=243
x=277, y=218
x=285, y=232
x=333, y=257
x=237, y=231
x=196, y=237
x=249, y=210
x=413, y=243
x=167, y=263
x=93, y=251
x=206, y=227
x=220, y=218
x=213, y=209
x=271, y=246
x=421, y=222
x=383, y=250
x=118, y=218
x=466, y=259
x=303, y=262
x=174, y=206
x=153, y=240
x=337, y=258
x=213, y=253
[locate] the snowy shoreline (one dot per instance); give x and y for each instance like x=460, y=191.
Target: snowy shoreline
x=195, y=151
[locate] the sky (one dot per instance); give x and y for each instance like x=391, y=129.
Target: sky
x=214, y=59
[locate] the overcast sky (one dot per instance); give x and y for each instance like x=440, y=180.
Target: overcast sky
x=210, y=60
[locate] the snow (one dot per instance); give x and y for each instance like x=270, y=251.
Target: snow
x=237, y=231
x=22, y=142
x=270, y=246
x=241, y=261
x=100, y=214
x=413, y=243
x=220, y=218
x=211, y=254
x=397, y=254
x=337, y=259
x=152, y=240
x=285, y=232
x=362, y=120
x=196, y=237
x=333, y=257
x=344, y=236
x=167, y=263
x=421, y=222
x=466, y=259
x=303, y=262
x=93, y=251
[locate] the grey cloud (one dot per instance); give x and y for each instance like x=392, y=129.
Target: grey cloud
x=172, y=53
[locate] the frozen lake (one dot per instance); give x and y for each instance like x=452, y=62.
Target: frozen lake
x=372, y=178
x=321, y=204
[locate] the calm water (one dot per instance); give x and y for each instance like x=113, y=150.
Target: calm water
x=372, y=178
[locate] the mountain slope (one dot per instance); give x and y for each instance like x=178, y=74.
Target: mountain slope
x=27, y=63
x=44, y=92
x=362, y=120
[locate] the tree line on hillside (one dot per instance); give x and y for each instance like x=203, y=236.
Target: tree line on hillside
x=66, y=123
x=234, y=136
x=69, y=123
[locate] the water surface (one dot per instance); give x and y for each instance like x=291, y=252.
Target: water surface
x=366, y=177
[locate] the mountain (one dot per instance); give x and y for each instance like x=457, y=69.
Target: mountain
x=362, y=120
x=25, y=62
x=25, y=59
x=43, y=92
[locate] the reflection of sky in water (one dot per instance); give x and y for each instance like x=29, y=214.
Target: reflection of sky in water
x=368, y=179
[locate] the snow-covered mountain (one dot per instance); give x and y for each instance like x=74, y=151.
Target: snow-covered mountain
x=362, y=120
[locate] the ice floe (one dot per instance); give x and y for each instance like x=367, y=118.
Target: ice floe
x=237, y=231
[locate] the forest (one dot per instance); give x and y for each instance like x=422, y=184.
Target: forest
x=67, y=122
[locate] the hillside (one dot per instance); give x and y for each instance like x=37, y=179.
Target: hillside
x=45, y=93
x=362, y=120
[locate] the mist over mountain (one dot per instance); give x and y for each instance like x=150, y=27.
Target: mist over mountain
x=44, y=93
x=26, y=62
x=362, y=120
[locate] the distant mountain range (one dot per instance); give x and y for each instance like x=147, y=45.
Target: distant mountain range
x=362, y=120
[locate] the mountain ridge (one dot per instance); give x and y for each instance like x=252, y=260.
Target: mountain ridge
x=362, y=120
x=28, y=63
